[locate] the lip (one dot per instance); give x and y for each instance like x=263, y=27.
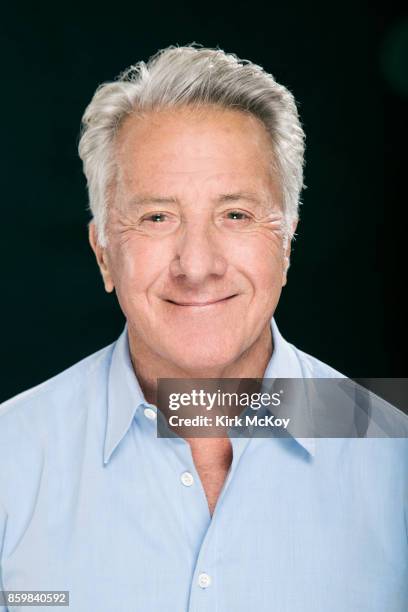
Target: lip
x=203, y=303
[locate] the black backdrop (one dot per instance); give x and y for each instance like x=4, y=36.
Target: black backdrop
x=347, y=66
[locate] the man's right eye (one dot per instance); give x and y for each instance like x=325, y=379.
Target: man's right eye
x=155, y=218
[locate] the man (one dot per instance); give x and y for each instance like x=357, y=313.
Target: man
x=194, y=169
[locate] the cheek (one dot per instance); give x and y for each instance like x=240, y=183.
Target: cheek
x=136, y=265
x=261, y=260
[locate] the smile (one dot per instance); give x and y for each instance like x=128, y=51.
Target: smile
x=202, y=304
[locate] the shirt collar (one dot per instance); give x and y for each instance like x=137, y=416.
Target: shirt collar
x=285, y=363
x=125, y=395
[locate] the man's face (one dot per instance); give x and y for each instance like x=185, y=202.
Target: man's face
x=195, y=235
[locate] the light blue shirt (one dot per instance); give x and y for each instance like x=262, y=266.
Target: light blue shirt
x=92, y=502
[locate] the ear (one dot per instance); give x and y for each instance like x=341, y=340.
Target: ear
x=101, y=258
x=286, y=256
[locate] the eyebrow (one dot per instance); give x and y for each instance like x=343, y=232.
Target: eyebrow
x=239, y=195
x=144, y=200
x=139, y=201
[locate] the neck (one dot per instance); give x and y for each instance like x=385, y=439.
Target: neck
x=150, y=366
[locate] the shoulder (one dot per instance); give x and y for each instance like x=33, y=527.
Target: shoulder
x=382, y=418
x=33, y=420
x=43, y=430
x=58, y=389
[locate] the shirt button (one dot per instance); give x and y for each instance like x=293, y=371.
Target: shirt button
x=204, y=580
x=149, y=413
x=187, y=479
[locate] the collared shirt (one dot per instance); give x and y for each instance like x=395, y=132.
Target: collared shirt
x=94, y=503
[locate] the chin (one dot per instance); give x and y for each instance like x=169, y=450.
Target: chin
x=203, y=356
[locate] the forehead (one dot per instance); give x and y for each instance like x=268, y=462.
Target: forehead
x=195, y=146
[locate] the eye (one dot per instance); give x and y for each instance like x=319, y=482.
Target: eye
x=237, y=215
x=155, y=218
x=159, y=223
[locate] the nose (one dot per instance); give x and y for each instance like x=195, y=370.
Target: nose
x=198, y=254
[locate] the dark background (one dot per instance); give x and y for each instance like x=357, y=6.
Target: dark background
x=346, y=63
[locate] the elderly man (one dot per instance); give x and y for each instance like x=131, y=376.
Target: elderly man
x=194, y=169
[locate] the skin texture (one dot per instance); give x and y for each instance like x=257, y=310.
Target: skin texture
x=196, y=252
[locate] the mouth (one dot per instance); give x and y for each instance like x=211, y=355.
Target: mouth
x=202, y=304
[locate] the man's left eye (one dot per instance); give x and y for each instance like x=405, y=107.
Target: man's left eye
x=236, y=215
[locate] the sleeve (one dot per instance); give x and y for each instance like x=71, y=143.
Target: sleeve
x=3, y=520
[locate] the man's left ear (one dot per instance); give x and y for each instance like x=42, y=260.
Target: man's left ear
x=286, y=256
x=101, y=258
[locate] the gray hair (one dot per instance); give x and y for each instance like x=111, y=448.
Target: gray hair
x=190, y=76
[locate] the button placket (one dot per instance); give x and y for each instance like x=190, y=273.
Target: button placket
x=150, y=414
x=204, y=580
x=187, y=479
